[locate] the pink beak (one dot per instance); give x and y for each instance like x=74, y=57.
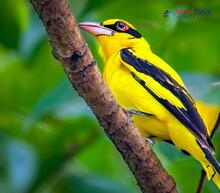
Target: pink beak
x=96, y=28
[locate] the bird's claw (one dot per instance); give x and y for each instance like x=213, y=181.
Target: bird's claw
x=150, y=140
x=135, y=112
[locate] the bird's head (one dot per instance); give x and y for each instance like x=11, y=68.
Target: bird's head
x=113, y=35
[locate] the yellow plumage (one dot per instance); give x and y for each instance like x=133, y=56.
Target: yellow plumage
x=143, y=82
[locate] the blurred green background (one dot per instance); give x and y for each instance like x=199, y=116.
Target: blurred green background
x=49, y=139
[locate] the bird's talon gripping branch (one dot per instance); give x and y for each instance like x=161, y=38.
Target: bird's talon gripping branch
x=150, y=140
x=135, y=112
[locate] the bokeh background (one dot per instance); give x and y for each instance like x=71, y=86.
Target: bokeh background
x=49, y=139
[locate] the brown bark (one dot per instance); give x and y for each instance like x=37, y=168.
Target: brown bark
x=70, y=49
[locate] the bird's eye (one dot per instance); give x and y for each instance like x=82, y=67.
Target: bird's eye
x=122, y=26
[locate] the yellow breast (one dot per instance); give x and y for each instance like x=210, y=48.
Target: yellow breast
x=131, y=95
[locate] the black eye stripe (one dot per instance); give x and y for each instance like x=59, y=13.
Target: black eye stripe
x=134, y=33
x=130, y=31
x=113, y=27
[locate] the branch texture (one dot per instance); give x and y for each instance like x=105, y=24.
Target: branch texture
x=70, y=49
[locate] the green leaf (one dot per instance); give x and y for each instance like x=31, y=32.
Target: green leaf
x=57, y=145
x=89, y=184
x=60, y=101
x=204, y=87
x=18, y=164
x=32, y=39
x=14, y=19
x=213, y=94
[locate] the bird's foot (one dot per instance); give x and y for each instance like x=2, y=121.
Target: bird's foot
x=150, y=140
x=135, y=112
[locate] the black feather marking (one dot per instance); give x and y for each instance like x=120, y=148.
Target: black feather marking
x=205, y=145
x=189, y=117
x=211, y=158
x=130, y=30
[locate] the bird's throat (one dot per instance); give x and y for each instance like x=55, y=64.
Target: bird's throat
x=108, y=47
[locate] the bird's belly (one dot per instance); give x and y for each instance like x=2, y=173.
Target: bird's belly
x=151, y=127
x=131, y=95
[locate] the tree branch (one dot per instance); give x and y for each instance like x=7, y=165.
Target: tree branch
x=70, y=49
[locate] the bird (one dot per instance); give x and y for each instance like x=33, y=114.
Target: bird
x=154, y=94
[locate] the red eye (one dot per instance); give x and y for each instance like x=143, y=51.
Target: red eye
x=122, y=26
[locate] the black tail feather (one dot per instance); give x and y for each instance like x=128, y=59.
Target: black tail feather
x=208, y=139
x=211, y=158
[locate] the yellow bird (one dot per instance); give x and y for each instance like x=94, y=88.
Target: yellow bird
x=154, y=93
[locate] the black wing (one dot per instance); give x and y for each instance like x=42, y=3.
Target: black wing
x=188, y=116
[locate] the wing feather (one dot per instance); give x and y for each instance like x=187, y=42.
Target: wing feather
x=188, y=114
